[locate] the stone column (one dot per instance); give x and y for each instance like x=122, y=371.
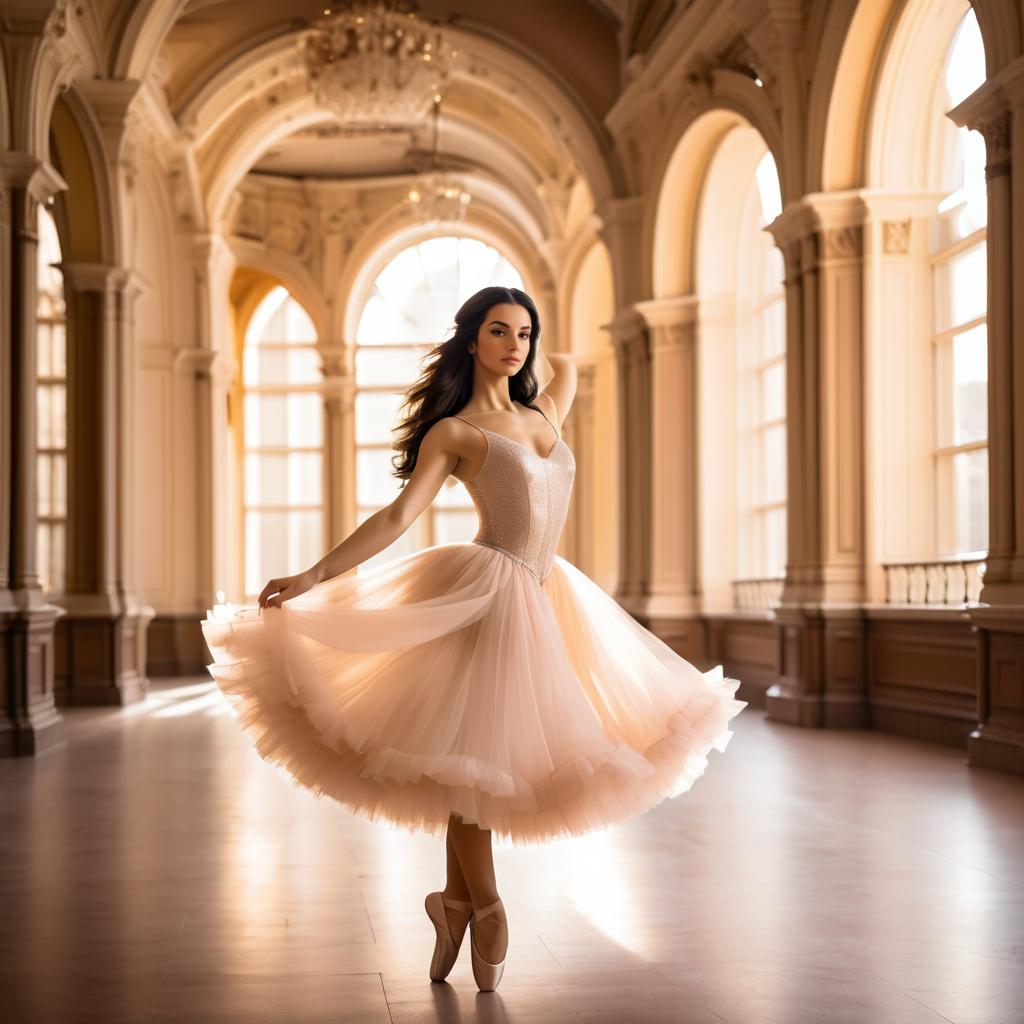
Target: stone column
x=822, y=681
x=622, y=233
x=338, y=369
x=674, y=600
x=632, y=352
x=997, y=111
x=580, y=430
x=30, y=722
x=103, y=637
x=218, y=568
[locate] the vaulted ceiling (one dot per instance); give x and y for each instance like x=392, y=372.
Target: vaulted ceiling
x=525, y=109
x=578, y=40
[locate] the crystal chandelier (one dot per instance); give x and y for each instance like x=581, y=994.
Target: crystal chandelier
x=437, y=197
x=375, y=63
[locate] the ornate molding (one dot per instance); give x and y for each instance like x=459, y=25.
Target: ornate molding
x=35, y=179
x=206, y=364
x=996, y=131
x=672, y=337
x=896, y=237
x=843, y=242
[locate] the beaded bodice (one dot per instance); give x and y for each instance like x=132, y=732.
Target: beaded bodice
x=522, y=499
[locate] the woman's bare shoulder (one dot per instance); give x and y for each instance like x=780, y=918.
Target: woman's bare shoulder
x=551, y=410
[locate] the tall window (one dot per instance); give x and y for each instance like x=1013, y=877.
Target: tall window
x=411, y=308
x=761, y=385
x=283, y=442
x=51, y=409
x=960, y=337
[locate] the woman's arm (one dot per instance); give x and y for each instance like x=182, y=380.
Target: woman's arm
x=434, y=464
x=436, y=460
x=556, y=378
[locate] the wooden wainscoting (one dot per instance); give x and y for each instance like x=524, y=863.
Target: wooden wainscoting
x=177, y=647
x=922, y=673
x=922, y=664
x=746, y=644
x=922, y=667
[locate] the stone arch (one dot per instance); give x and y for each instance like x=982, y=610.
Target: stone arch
x=676, y=208
x=389, y=236
x=732, y=100
x=142, y=35
x=856, y=39
x=83, y=212
x=232, y=124
x=895, y=155
x=283, y=270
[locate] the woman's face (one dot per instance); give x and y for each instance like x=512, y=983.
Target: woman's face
x=503, y=341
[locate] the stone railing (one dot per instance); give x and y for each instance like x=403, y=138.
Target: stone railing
x=758, y=595
x=940, y=581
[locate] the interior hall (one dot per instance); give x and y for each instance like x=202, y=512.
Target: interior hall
x=781, y=242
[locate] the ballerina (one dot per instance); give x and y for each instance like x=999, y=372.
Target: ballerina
x=483, y=689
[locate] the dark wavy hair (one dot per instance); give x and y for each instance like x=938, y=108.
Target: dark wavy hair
x=446, y=382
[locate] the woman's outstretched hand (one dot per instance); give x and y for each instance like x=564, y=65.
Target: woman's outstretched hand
x=285, y=588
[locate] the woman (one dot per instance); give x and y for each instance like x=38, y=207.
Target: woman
x=476, y=687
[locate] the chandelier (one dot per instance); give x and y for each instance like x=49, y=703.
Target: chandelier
x=375, y=64
x=437, y=197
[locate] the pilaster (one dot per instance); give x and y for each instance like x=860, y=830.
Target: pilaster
x=30, y=721
x=997, y=111
x=102, y=639
x=631, y=342
x=822, y=681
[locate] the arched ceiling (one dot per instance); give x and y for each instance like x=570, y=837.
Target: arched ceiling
x=577, y=40
x=524, y=108
x=242, y=104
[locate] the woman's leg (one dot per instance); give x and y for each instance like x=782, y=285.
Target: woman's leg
x=455, y=888
x=472, y=846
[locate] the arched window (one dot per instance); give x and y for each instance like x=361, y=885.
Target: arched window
x=960, y=340
x=410, y=309
x=283, y=429
x=761, y=384
x=737, y=284
x=51, y=409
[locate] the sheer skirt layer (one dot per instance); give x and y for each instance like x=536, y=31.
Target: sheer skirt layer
x=453, y=681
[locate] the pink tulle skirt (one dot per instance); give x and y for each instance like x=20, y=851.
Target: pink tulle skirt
x=452, y=680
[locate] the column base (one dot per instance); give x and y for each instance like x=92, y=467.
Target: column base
x=989, y=748
x=822, y=683
x=998, y=741
x=30, y=724
x=829, y=711
x=101, y=658
x=175, y=646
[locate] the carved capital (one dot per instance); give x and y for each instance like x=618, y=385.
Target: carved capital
x=896, y=237
x=843, y=242
x=996, y=131
x=29, y=182
x=207, y=365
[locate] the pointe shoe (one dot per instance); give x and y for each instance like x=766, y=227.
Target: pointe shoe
x=446, y=950
x=487, y=975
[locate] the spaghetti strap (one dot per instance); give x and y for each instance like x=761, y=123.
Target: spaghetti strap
x=542, y=412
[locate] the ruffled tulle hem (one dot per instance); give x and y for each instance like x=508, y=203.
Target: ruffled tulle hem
x=615, y=762
x=418, y=793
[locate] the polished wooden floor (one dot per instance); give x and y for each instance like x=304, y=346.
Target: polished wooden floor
x=155, y=869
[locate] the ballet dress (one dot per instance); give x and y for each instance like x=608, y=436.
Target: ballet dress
x=487, y=678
